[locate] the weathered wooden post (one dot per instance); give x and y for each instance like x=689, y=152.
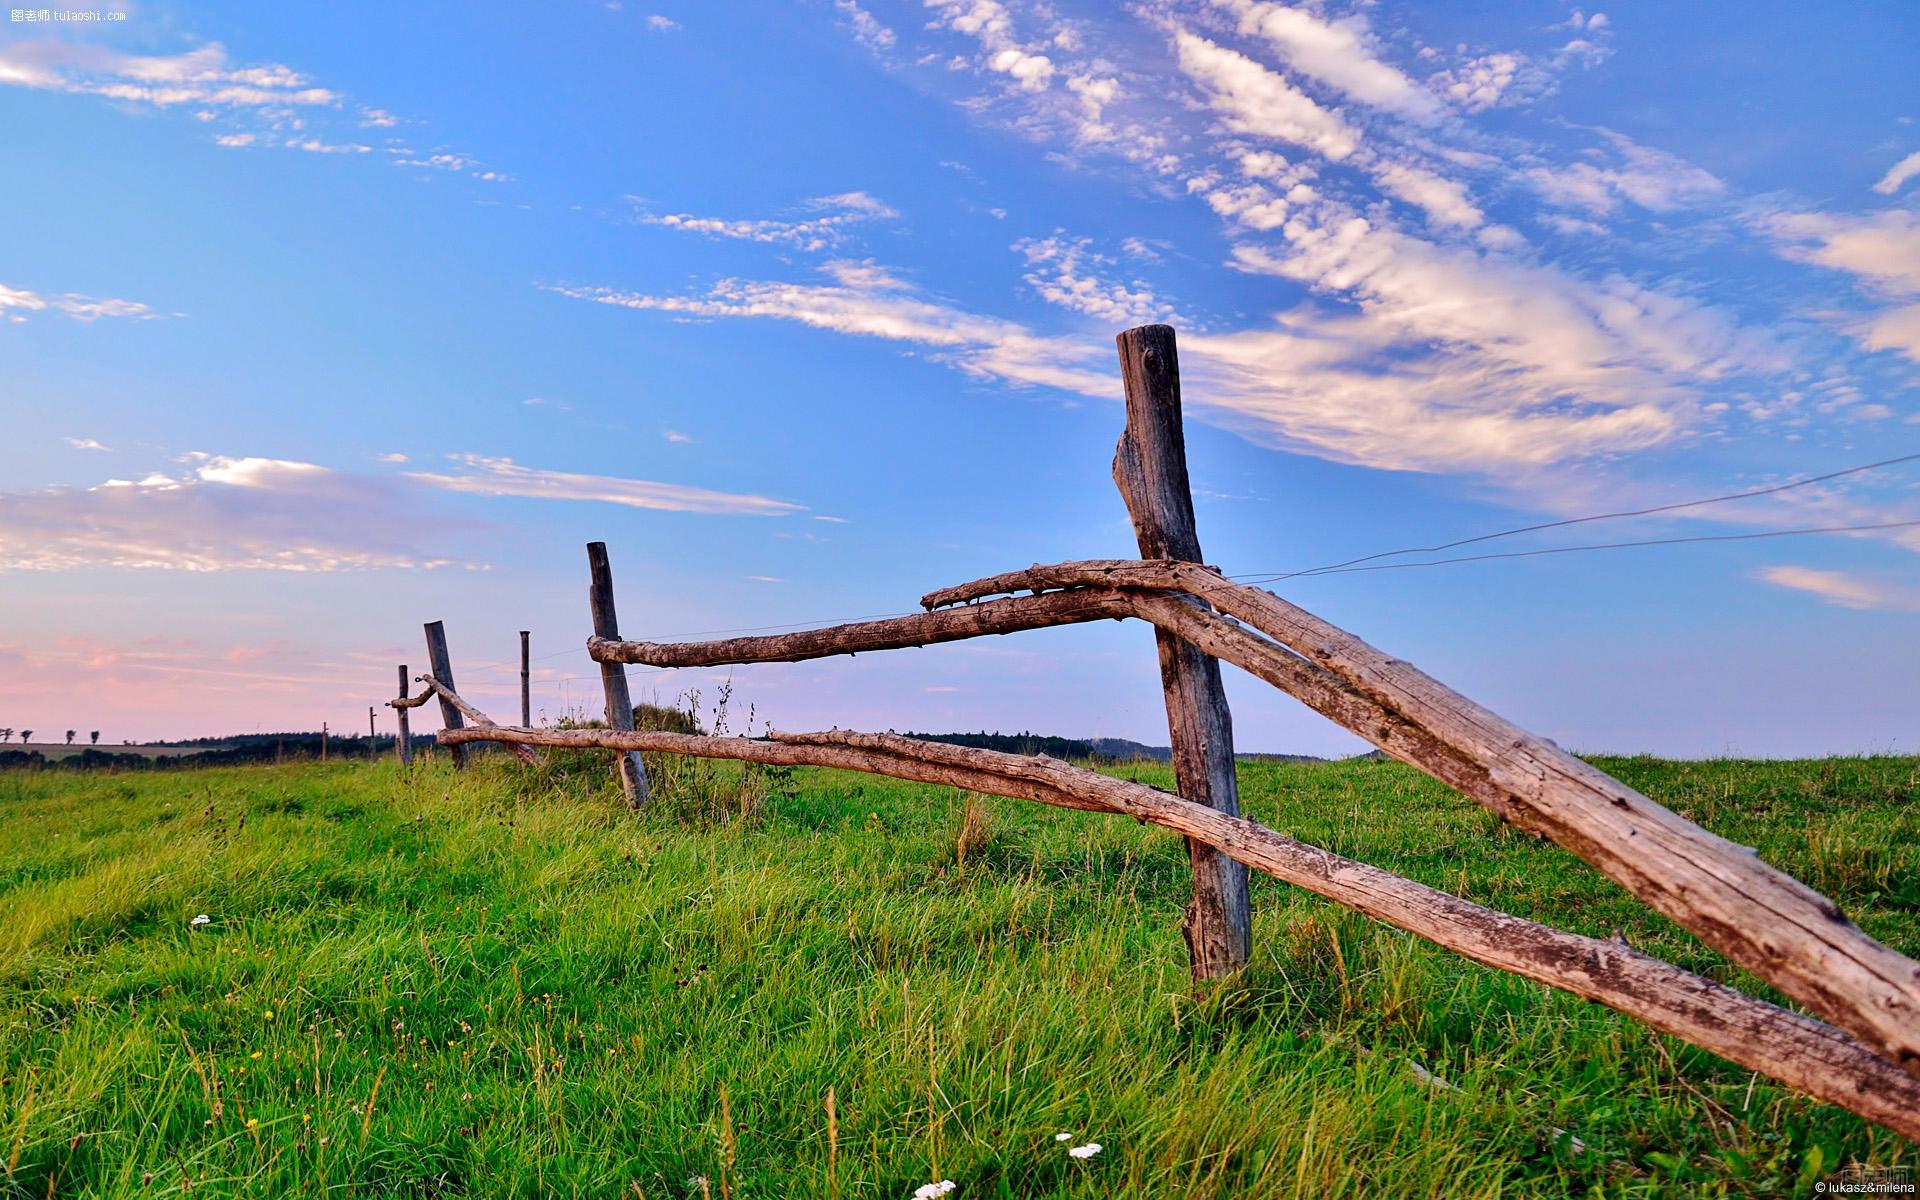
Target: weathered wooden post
x=373, y=743
x=526, y=682
x=442, y=669
x=613, y=675
x=1150, y=467
x=405, y=745
x=323, y=741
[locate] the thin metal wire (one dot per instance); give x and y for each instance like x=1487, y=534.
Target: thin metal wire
x=1680, y=541
x=1333, y=568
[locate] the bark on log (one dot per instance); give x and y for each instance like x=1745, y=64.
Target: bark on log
x=920, y=629
x=613, y=676
x=440, y=666
x=404, y=746
x=1150, y=469
x=1803, y=1053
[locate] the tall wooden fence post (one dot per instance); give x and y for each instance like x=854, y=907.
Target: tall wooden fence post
x=1150, y=467
x=373, y=743
x=526, y=682
x=442, y=669
x=613, y=676
x=404, y=746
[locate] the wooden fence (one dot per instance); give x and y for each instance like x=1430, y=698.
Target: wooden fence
x=1864, y=1055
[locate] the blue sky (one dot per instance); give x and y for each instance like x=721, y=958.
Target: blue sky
x=317, y=322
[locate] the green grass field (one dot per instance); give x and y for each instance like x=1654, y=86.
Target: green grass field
x=503, y=984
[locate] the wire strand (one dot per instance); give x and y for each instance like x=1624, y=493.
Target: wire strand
x=1679, y=541
x=1334, y=568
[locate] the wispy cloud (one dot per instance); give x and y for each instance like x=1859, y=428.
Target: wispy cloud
x=1845, y=589
x=16, y=303
x=989, y=22
x=1069, y=272
x=220, y=514
x=1898, y=174
x=837, y=214
x=202, y=76
x=1651, y=178
x=504, y=477
x=83, y=443
x=1881, y=251
x=1337, y=53
x=880, y=307
x=1253, y=100
x=865, y=27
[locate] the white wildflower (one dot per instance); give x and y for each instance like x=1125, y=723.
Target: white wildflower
x=202, y=919
x=1086, y=1151
x=927, y=1191
x=1062, y=1137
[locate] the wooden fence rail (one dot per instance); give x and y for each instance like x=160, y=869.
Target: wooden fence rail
x=1784, y=932
x=1865, y=1058
x=1805, y=1054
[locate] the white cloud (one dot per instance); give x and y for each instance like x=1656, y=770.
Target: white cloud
x=234, y=140
x=316, y=146
x=1483, y=82
x=865, y=27
x=202, y=76
x=1444, y=200
x=1253, y=100
x=223, y=514
x=504, y=477
x=812, y=234
x=15, y=302
x=985, y=347
x=988, y=22
x=264, y=473
x=1337, y=53
x=1066, y=271
x=662, y=24
x=675, y=436
x=1651, y=178
x=394, y=457
x=1898, y=174
x=1895, y=329
x=1881, y=251
x=83, y=443
x=1844, y=588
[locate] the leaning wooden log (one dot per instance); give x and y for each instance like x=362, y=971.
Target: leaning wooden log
x=440, y=666
x=406, y=702
x=1802, y=1053
x=521, y=750
x=1784, y=932
x=613, y=677
x=1762, y=918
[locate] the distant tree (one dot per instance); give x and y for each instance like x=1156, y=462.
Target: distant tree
x=94, y=737
x=26, y=735
x=70, y=736
x=6, y=735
